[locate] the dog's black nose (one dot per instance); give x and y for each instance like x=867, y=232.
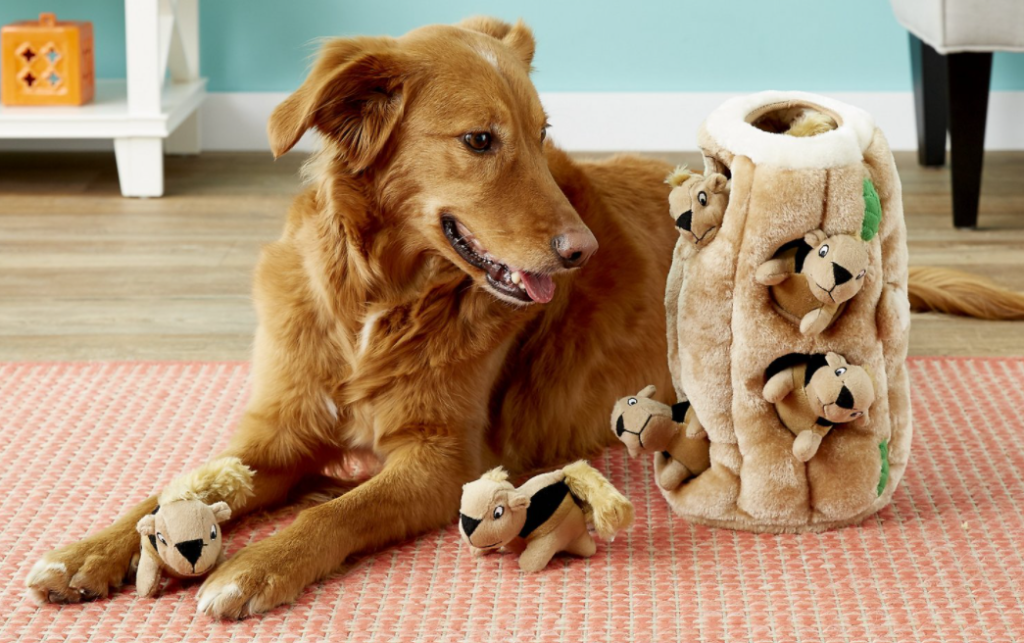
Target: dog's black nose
x=842, y=274
x=620, y=427
x=574, y=248
x=469, y=525
x=191, y=550
x=845, y=399
x=685, y=220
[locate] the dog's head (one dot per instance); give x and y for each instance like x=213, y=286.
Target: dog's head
x=493, y=512
x=839, y=392
x=643, y=424
x=443, y=132
x=835, y=266
x=697, y=203
x=186, y=534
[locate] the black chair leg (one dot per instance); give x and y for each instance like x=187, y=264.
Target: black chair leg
x=931, y=102
x=969, y=77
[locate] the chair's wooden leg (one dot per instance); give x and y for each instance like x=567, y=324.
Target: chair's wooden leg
x=969, y=76
x=931, y=102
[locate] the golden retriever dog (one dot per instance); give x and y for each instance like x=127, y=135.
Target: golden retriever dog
x=427, y=303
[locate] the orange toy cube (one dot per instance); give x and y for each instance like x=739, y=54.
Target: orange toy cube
x=46, y=62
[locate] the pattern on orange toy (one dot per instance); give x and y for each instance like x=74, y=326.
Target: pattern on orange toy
x=46, y=62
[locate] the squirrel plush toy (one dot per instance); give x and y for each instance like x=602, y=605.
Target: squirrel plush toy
x=182, y=536
x=812, y=393
x=697, y=203
x=812, y=278
x=548, y=514
x=672, y=433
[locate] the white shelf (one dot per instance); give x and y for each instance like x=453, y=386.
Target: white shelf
x=151, y=112
x=107, y=116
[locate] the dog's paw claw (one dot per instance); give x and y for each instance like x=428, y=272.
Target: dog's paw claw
x=245, y=586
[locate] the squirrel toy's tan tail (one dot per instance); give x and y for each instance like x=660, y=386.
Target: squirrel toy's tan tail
x=608, y=510
x=959, y=293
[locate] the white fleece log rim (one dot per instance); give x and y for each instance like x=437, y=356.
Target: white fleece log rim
x=730, y=125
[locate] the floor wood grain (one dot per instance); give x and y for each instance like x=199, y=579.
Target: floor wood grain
x=88, y=275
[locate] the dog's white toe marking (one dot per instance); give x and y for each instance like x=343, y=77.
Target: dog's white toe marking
x=42, y=569
x=39, y=575
x=213, y=600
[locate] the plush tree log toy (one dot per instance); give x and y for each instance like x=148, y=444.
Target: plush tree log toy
x=672, y=433
x=809, y=258
x=182, y=537
x=548, y=514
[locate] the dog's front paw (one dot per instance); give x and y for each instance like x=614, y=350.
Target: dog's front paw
x=255, y=580
x=82, y=571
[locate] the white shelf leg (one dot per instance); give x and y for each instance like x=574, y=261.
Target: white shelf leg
x=186, y=139
x=140, y=166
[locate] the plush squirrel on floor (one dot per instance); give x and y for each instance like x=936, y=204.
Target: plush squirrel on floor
x=697, y=203
x=182, y=536
x=672, y=433
x=548, y=514
x=812, y=393
x=832, y=270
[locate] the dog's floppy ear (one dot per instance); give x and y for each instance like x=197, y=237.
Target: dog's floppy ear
x=518, y=37
x=353, y=96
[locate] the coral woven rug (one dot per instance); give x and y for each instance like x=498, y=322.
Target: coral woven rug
x=945, y=562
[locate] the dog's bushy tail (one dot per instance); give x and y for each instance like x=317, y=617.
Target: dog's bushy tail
x=608, y=510
x=959, y=293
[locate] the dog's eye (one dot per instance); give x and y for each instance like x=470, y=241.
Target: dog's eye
x=213, y=532
x=478, y=141
x=840, y=371
x=631, y=401
x=860, y=275
x=544, y=132
x=499, y=511
x=160, y=537
x=823, y=251
x=702, y=197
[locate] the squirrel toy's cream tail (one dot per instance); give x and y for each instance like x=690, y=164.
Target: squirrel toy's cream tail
x=608, y=510
x=959, y=293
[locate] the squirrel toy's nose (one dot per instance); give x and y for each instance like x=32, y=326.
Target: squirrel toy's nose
x=191, y=550
x=842, y=275
x=469, y=525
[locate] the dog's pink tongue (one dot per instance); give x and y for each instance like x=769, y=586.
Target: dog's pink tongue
x=540, y=288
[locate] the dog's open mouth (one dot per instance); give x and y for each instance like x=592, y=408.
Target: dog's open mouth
x=505, y=280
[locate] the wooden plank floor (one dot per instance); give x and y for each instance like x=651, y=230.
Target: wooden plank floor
x=88, y=275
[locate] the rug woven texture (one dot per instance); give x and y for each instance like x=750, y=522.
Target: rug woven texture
x=945, y=562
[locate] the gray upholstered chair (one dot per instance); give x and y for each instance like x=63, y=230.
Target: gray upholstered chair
x=951, y=45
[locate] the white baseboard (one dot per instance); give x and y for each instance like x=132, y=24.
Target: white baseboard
x=588, y=122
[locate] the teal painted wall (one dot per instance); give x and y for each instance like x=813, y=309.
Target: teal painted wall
x=591, y=45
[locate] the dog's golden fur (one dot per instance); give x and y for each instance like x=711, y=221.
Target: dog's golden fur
x=376, y=335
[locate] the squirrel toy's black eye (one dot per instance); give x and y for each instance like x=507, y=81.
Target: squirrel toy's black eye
x=860, y=275
x=213, y=532
x=840, y=371
x=631, y=401
x=499, y=511
x=823, y=250
x=702, y=197
x=160, y=537
x=477, y=141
